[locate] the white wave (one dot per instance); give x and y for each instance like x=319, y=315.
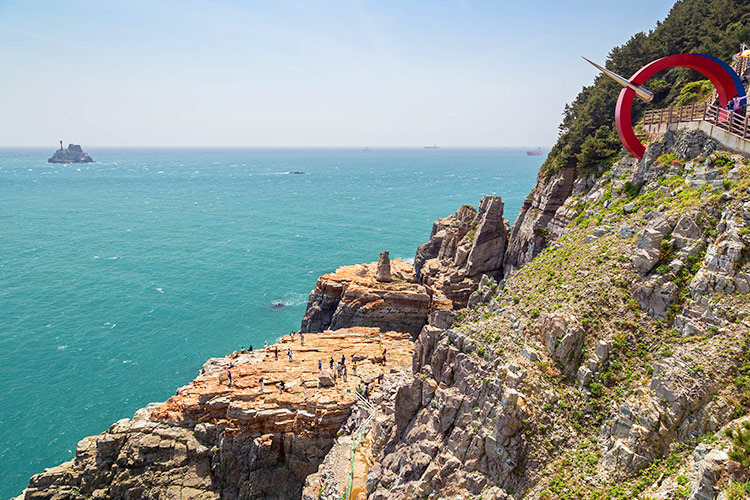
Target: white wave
x=292, y=299
x=113, y=258
x=61, y=347
x=160, y=290
x=126, y=361
x=409, y=260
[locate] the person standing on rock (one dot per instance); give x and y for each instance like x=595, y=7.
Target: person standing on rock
x=289, y=353
x=343, y=359
x=229, y=376
x=261, y=384
x=354, y=368
x=302, y=338
x=344, y=372
x=242, y=350
x=281, y=387
x=250, y=349
x=320, y=366
x=331, y=362
x=276, y=352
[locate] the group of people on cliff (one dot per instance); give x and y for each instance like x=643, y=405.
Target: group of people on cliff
x=340, y=372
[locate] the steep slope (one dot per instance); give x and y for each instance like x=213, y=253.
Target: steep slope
x=610, y=356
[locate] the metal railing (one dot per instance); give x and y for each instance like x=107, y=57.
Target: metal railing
x=730, y=121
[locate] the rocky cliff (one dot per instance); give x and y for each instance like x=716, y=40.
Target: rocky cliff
x=604, y=353
x=462, y=248
x=222, y=439
x=354, y=296
x=73, y=154
x=612, y=364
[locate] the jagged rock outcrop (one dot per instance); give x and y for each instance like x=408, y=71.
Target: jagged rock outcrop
x=455, y=428
x=73, y=154
x=462, y=248
x=353, y=296
x=216, y=440
x=631, y=256
x=530, y=233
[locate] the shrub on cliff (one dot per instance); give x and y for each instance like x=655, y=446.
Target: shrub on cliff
x=740, y=444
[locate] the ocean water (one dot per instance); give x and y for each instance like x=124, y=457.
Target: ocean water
x=118, y=279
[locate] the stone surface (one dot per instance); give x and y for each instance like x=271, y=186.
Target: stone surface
x=462, y=248
x=352, y=296
x=214, y=440
x=530, y=233
x=383, y=272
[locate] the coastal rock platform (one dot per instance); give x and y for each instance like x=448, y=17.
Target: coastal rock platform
x=213, y=439
x=353, y=296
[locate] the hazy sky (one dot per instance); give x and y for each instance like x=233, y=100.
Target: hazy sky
x=301, y=73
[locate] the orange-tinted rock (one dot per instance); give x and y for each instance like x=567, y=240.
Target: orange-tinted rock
x=215, y=440
x=353, y=296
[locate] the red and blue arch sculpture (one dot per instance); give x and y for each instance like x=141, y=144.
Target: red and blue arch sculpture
x=724, y=78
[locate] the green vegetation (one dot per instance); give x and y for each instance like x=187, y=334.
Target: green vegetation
x=738, y=491
x=740, y=444
x=694, y=92
x=588, y=140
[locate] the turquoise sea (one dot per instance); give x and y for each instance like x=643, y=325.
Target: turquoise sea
x=118, y=279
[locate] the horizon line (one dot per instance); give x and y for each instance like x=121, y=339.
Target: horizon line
x=165, y=146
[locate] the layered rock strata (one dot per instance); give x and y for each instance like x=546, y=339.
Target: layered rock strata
x=353, y=296
x=214, y=439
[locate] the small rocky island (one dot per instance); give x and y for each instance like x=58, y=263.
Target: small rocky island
x=73, y=154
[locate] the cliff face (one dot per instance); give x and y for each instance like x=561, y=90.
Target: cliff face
x=610, y=356
x=353, y=296
x=215, y=440
x=531, y=231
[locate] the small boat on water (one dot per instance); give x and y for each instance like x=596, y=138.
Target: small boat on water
x=534, y=152
x=434, y=146
x=296, y=172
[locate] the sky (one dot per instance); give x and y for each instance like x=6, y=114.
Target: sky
x=297, y=73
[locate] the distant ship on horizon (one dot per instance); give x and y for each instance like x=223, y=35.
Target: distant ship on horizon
x=434, y=146
x=534, y=152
